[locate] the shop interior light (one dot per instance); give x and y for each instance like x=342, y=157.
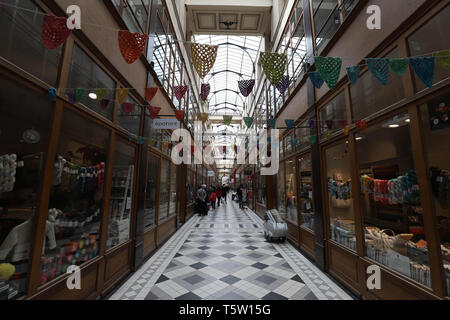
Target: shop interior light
x=408, y=120
x=93, y=96
x=359, y=138
x=394, y=126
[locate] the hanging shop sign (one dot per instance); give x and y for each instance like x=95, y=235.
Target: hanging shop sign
x=210, y=173
x=166, y=124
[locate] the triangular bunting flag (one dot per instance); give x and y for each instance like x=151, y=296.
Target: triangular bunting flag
x=154, y=111
x=132, y=45
x=274, y=65
x=283, y=85
x=248, y=121
x=271, y=122
x=316, y=79
x=312, y=124
x=52, y=94
x=346, y=130
x=104, y=103
x=227, y=120
x=289, y=123
x=424, y=68
x=140, y=140
x=71, y=97
x=165, y=144
x=329, y=69
x=152, y=141
x=328, y=135
x=203, y=117
x=312, y=139
x=79, y=93
x=205, y=90
x=179, y=114
x=203, y=56
x=379, y=67
x=443, y=58
x=361, y=124
x=150, y=93
x=101, y=93
x=127, y=107
x=399, y=66
x=329, y=124
x=342, y=123
x=246, y=87
x=54, y=31
x=122, y=94
x=353, y=73
x=180, y=91
x=294, y=142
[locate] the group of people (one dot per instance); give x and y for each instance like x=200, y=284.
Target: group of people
x=207, y=197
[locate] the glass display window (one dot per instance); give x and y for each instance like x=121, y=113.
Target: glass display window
x=24, y=141
x=76, y=197
x=281, y=195
x=369, y=96
x=121, y=198
x=304, y=131
x=261, y=193
x=85, y=73
x=164, y=189
x=390, y=199
x=421, y=43
x=340, y=198
x=132, y=121
x=436, y=128
x=334, y=111
x=20, y=36
x=305, y=184
x=153, y=167
x=173, y=189
x=291, y=191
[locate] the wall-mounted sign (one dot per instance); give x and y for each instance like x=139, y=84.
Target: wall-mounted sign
x=210, y=173
x=165, y=124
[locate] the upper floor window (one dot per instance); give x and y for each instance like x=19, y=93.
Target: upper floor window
x=134, y=13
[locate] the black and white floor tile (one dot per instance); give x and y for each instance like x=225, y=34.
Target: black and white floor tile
x=224, y=256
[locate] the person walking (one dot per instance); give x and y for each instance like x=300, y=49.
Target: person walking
x=202, y=207
x=224, y=193
x=213, y=198
x=239, y=195
x=219, y=196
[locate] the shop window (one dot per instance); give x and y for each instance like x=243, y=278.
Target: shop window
x=291, y=191
x=132, y=121
x=85, y=73
x=421, y=43
x=304, y=131
x=281, y=196
x=436, y=126
x=261, y=192
x=340, y=198
x=369, y=96
x=21, y=39
x=151, y=190
x=76, y=197
x=173, y=190
x=24, y=141
x=190, y=185
x=306, y=202
x=288, y=143
x=164, y=189
x=121, y=199
x=390, y=199
x=334, y=111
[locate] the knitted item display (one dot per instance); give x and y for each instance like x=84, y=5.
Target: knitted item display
x=54, y=31
x=340, y=190
x=203, y=56
x=204, y=91
x=132, y=45
x=379, y=68
x=329, y=69
x=150, y=93
x=274, y=65
x=8, y=166
x=424, y=68
x=246, y=87
x=180, y=91
x=399, y=66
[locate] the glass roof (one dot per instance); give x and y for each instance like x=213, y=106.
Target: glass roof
x=235, y=61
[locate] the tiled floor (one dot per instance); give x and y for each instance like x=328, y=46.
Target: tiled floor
x=224, y=256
